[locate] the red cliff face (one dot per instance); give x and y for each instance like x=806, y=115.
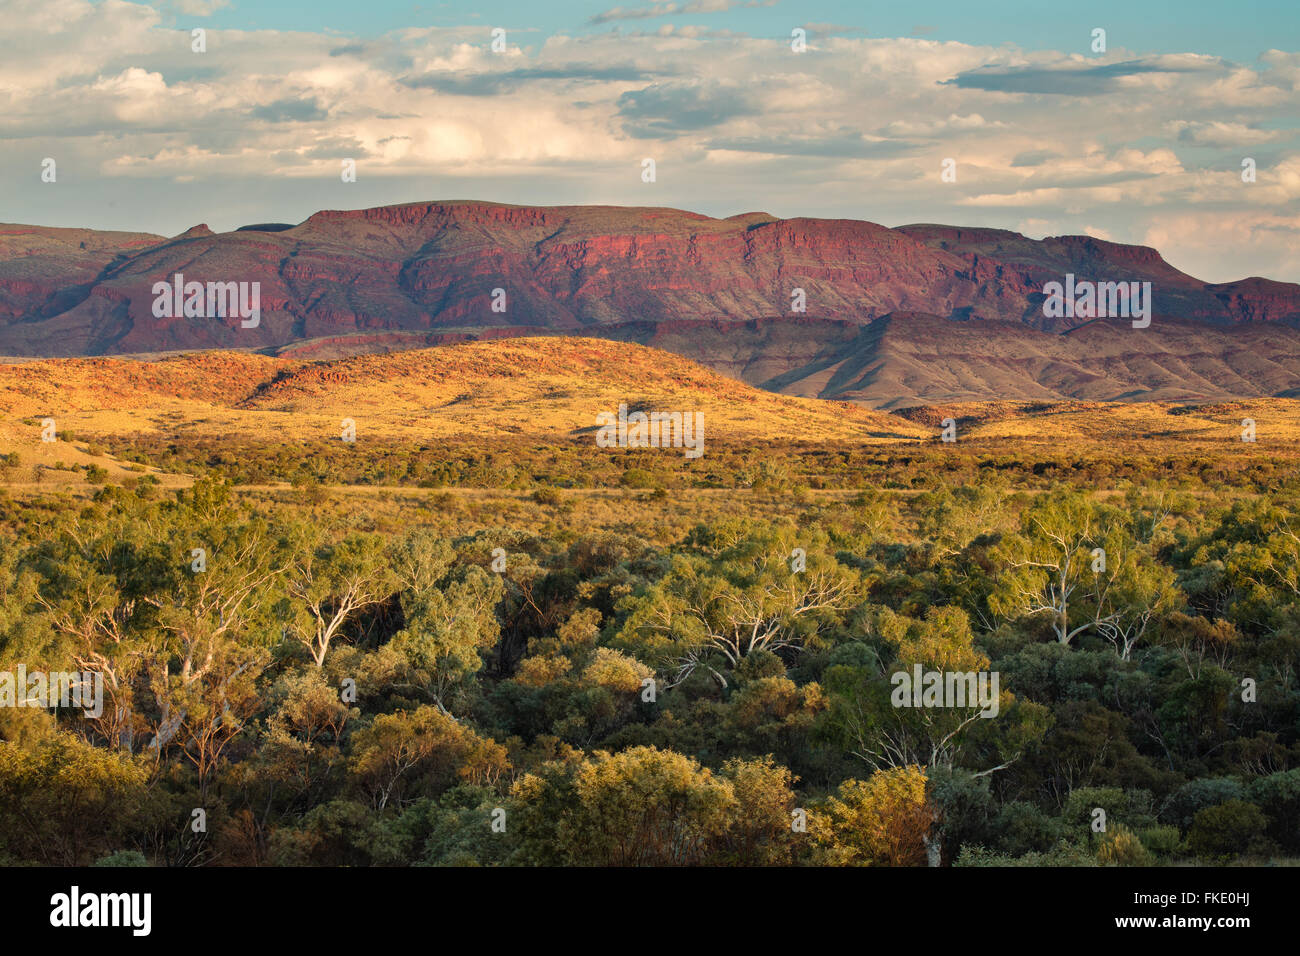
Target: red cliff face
x=431, y=269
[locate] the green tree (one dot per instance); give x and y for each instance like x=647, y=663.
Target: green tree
x=641, y=807
x=422, y=751
x=65, y=802
x=329, y=582
x=1048, y=565
x=885, y=820
x=712, y=610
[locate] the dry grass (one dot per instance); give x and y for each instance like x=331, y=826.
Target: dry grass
x=546, y=390
x=543, y=387
x=1145, y=427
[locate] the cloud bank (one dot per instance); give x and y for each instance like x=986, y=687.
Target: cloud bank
x=1139, y=148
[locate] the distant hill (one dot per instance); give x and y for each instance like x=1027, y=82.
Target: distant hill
x=534, y=393
x=908, y=358
x=537, y=388
x=893, y=316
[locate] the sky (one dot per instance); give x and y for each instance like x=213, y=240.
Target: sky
x=1047, y=134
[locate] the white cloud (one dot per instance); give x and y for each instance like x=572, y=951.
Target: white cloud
x=199, y=8
x=1257, y=244
x=1220, y=133
x=855, y=127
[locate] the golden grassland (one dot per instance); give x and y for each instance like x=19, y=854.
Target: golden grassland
x=550, y=387
x=504, y=394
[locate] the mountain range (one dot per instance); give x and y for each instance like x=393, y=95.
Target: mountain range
x=892, y=316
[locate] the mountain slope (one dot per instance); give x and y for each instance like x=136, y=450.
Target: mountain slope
x=906, y=359
x=546, y=389
x=433, y=267
x=893, y=317
x=910, y=359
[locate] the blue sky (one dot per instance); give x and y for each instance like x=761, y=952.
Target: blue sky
x=1234, y=30
x=1143, y=142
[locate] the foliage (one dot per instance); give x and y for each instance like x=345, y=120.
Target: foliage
x=337, y=677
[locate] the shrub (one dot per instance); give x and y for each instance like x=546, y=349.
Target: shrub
x=547, y=496
x=882, y=821
x=1192, y=797
x=1278, y=795
x=1120, y=846
x=637, y=478
x=1227, y=830
x=1081, y=804
x=1023, y=828
x=1162, y=841
x=1063, y=854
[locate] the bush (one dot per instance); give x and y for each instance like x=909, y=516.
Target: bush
x=1162, y=841
x=1227, y=830
x=881, y=821
x=1131, y=807
x=638, y=478
x=547, y=496
x=1192, y=797
x=1120, y=846
x=1081, y=805
x=1278, y=795
x=1024, y=828
x=966, y=808
x=1063, y=854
